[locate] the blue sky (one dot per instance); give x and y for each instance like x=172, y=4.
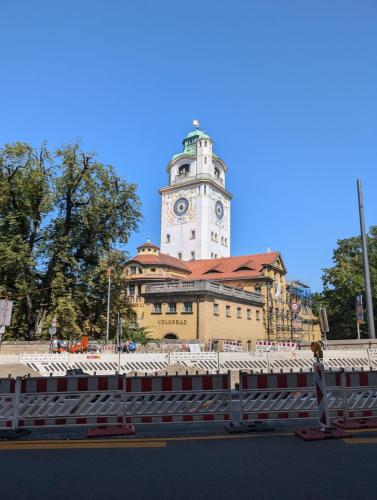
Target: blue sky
x=287, y=89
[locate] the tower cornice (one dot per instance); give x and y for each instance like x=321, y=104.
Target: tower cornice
x=197, y=181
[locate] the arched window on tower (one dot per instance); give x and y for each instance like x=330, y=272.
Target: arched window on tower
x=217, y=172
x=184, y=169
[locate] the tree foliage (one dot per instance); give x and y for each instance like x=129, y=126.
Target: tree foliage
x=343, y=281
x=62, y=216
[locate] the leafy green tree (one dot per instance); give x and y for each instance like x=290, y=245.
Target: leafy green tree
x=62, y=216
x=344, y=281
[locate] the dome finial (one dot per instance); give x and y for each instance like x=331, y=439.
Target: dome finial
x=196, y=123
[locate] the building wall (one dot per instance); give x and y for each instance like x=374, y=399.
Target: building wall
x=221, y=327
x=211, y=326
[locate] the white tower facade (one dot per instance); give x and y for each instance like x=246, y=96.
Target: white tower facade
x=195, y=208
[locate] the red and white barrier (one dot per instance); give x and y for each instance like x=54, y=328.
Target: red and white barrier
x=71, y=401
x=7, y=402
x=175, y=399
x=320, y=390
x=277, y=396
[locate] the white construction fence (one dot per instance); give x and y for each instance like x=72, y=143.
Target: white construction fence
x=27, y=403
x=212, y=362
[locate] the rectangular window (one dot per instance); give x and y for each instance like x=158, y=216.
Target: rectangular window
x=193, y=235
x=172, y=307
x=188, y=307
x=257, y=315
x=227, y=311
x=216, y=309
x=192, y=255
x=168, y=238
x=239, y=312
x=157, y=309
x=248, y=313
x=205, y=159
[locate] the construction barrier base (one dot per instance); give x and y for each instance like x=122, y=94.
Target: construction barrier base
x=249, y=427
x=362, y=423
x=118, y=430
x=13, y=434
x=319, y=434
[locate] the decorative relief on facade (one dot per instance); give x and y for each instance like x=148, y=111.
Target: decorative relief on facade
x=181, y=208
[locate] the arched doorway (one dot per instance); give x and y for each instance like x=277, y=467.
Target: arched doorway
x=170, y=336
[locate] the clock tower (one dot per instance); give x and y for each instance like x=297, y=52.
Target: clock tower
x=195, y=209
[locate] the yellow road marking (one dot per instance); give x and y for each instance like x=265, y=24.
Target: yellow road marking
x=59, y=444
x=79, y=444
x=370, y=440
x=363, y=431
x=231, y=436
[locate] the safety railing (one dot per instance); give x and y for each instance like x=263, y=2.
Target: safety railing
x=119, y=399
x=213, y=362
x=81, y=401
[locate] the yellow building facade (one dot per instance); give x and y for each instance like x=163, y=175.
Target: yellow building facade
x=244, y=298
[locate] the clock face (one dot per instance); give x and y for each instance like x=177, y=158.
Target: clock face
x=219, y=209
x=181, y=206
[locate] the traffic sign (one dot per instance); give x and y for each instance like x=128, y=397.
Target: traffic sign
x=5, y=312
x=52, y=330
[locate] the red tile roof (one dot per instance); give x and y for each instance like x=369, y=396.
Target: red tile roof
x=148, y=244
x=160, y=260
x=213, y=269
x=227, y=267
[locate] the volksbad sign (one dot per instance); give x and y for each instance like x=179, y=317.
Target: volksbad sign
x=172, y=322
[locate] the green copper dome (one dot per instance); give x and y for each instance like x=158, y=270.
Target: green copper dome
x=196, y=133
x=189, y=142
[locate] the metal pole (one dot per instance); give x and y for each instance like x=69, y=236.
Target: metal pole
x=119, y=342
x=368, y=291
x=108, y=305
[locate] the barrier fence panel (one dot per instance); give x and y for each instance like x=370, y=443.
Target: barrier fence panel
x=8, y=403
x=243, y=361
x=347, y=360
x=58, y=401
x=294, y=361
x=207, y=361
x=173, y=399
x=361, y=394
x=277, y=396
x=56, y=364
x=109, y=400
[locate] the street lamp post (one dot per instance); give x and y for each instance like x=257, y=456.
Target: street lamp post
x=368, y=291
x=108, y=305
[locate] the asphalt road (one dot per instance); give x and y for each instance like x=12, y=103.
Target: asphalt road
x=197, y=467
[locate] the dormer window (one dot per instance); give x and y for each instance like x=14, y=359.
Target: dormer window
x=184, y=169
x=217, y=172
